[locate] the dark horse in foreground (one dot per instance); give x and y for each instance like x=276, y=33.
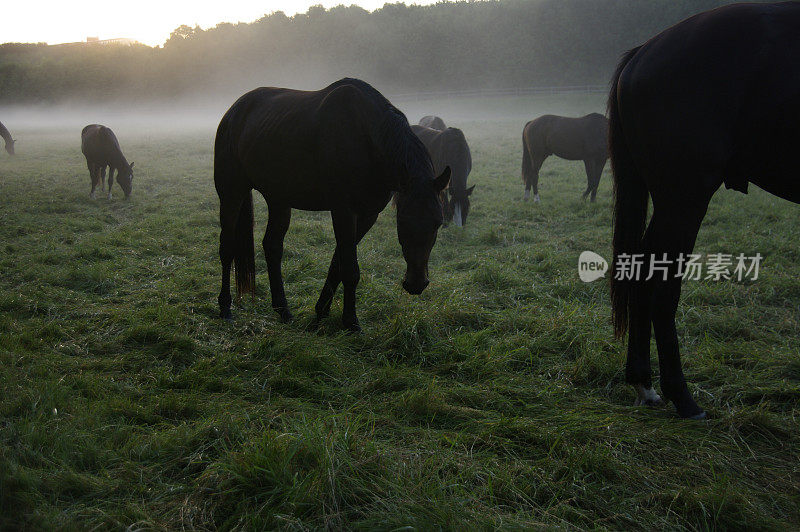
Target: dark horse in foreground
x=575, y=139
x=433, y=122
x=342, y=149
x=9, y=142
x=449, y=148
x=101, y=149
x=714, y=99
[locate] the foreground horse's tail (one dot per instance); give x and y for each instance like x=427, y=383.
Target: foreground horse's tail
x=630, y=204
x=244, y=260
x=227, y=169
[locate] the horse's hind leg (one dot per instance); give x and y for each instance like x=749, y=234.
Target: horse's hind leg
x=110, y=179
x=673, y=233
x=93, y=173
x=102, y=178
x=278, y=224
x=323, y=306
x=537, y=165
x=637, y=367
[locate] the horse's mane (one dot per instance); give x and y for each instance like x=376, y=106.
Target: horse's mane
x=403, y=149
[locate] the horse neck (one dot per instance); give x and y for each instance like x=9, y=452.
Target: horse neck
x=118, y=160
x=5, y=134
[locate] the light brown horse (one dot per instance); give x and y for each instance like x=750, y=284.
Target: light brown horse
x=575, y=139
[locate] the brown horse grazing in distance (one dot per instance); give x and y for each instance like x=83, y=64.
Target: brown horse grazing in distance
x=433, y=122
x=449, y=148
x=342, y=149
x=714, y=99
x=9, y=142
x=101, y=149
x=575, y=139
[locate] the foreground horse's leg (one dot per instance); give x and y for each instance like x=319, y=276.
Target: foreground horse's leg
x=323, y=306
x=673, y=235
x=278, y=224
x=637, y=367
x=228, y=216
x=345, y=227
x=103, y=178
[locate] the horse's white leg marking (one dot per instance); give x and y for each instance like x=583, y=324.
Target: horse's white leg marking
x=527, y=194
x=457, y=215
x=91, y=194
x=536, y=198
x=646, y=396
x=109, y=195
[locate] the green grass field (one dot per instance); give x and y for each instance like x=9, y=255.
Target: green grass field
x=494, y=400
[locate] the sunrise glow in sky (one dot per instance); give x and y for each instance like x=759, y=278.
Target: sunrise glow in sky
x=147, y=21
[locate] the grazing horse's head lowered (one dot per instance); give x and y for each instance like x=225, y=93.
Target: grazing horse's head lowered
x=10, y=146
x=458, y=208
x=125, y=179
x=419, y=216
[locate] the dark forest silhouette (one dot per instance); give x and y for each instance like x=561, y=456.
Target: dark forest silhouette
x=507, y=43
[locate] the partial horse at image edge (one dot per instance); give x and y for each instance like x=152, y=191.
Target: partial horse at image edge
x=7, y=139
x=680, y=164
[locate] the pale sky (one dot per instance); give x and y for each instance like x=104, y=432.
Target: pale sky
x=147, y=21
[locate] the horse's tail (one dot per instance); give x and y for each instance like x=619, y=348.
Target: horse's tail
x=630, y=203
x=527, y=166
x=227, y=168
x=244, y=259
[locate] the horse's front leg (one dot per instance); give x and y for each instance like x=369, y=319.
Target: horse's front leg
x=345, y=224
x=363, y=224
x=278, y=224
x=110, y=179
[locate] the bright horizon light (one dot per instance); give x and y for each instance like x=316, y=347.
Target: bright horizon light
x=147, y=21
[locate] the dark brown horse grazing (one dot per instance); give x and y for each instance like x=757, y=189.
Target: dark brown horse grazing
x=343, y=149
x=9, y=142
x=575, y=139
x=101, y=149
x=433, y=122
x=714, y=99
x=449, y=148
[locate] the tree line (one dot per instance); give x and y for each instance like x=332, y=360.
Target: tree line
x=398, y=48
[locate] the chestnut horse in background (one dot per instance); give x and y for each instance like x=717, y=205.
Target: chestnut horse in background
x=575, y=139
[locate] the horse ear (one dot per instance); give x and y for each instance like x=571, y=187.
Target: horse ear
x=132, y=163
x=470, y=189
x=440, y=183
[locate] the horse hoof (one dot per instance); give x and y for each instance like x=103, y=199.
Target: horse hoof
x=647, y=397
x=226, y=315
x=109, y=195
x=536, y=198
x=285, y=315
x=698, y=417
x=353, y=328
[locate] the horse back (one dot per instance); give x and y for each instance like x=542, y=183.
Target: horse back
x=305, y=149
x=447, y=147
x=736, y=98
x=100, y=145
